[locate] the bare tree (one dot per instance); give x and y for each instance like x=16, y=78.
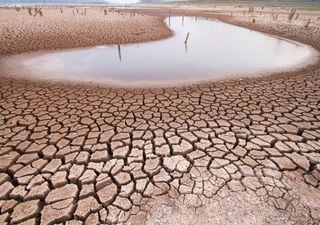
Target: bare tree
x=308, y=23
x=291, y=14
x=29, y=11
x=38, y=11
x=275, y=17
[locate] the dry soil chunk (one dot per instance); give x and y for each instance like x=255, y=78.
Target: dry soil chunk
x=25, y=210
x=57, y=212
x=65, y=192
x=108, y=194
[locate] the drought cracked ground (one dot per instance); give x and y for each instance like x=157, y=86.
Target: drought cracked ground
x=234, y=152
x=110, y=156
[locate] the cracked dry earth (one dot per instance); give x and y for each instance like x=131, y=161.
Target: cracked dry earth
x=236, y=152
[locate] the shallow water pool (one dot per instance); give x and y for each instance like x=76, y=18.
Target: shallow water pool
x=214, y=50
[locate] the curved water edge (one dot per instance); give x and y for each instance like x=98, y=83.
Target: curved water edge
x=214, y=51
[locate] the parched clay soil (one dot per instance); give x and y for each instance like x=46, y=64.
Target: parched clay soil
x=233, y=152
x=21, y=32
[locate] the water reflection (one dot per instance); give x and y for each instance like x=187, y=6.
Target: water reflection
x=212, y=50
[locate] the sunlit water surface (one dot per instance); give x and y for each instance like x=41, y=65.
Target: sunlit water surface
x=214, y=50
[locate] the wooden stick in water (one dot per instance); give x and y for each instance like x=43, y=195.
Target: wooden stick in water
x=119, y=52
x=187, y=38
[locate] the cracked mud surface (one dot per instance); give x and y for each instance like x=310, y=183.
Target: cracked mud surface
x=234, y=152
x=110, y=156
x=21, y=32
